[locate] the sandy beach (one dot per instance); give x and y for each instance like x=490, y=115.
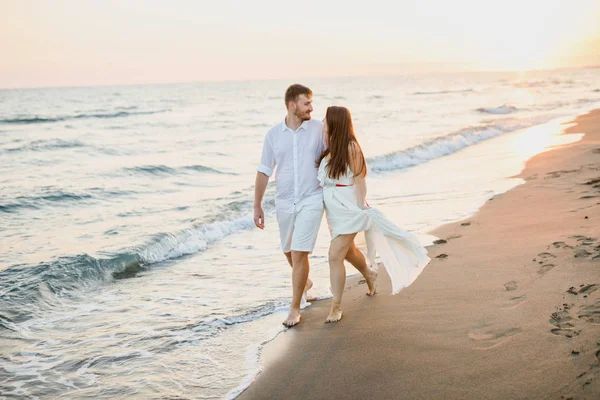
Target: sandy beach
x=507, y=309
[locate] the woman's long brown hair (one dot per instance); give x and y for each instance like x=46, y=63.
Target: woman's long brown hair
x=341, y=139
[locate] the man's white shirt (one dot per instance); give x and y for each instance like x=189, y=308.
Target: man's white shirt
x=294, y=156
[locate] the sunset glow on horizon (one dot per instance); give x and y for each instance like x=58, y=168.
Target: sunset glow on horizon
x=77, y=43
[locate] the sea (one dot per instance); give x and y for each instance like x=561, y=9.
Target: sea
x=130, y=266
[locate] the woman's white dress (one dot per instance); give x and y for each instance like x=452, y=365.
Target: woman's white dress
x=401, y=252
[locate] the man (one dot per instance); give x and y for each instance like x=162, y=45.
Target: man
x=294, y=146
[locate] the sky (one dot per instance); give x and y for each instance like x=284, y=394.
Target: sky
x=103, y=42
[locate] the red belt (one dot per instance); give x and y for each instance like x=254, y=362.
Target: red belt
x=342, y=185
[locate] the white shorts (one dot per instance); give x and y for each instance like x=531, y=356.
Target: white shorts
x=298, y=231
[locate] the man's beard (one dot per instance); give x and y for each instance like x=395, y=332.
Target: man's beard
x=302, y=116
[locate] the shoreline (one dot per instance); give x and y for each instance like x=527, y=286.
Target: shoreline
x=462, y=313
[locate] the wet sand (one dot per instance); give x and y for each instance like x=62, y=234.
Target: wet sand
x=509, y=307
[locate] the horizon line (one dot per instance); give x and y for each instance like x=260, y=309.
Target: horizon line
x=301, y=78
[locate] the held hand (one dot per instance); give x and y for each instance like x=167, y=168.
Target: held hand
x=259, y=217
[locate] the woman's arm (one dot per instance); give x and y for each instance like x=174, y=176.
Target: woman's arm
x=359, y=169
x=361, y=191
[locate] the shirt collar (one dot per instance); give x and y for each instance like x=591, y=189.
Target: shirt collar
x=284, y=126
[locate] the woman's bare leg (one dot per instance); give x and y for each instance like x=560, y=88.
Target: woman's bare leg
x=358, y=261
x=337, y=270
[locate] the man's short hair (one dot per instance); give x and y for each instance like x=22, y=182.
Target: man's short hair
x=294, y=91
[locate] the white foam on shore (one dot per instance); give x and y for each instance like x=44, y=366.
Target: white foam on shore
x=503, y=109
x=452, y=143
x=189, y=241
x=253, y=363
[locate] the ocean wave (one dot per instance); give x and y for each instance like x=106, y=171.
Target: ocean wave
x=267, y=308
x=6, y=323
x=35, y=202
x=27, y=290
x=42, y=120
x=48, y=144
x=448, y=144
x=57, y=197
x=541, y=83
x=165, y=246
x=334, y=98
x=585, y=100
x=202, y=168
x=165, y=170
x=444, y=92
x=503, y=109
x=259, y=125
x=12, y=207
x=151, y=169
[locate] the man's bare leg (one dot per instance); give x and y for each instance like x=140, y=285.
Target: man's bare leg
x=288, y=256
x=300, y=271
x=309, y=283
x=357, y=259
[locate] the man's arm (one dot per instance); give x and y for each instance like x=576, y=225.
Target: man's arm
x=260, y=186
x=265, y=170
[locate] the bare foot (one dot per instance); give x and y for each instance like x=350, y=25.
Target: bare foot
x=370, y=278
x=334, y=315
x=292, y=319
x=309, y=285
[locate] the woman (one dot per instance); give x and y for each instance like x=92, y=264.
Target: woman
x=342, y=172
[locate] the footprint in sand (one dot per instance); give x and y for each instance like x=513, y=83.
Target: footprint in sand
x=558, y=245
x=581, y=209
x=593, y=182
x=487, y=339
x=510, y=286
x=546, y=255
x=589, y=289
x=572, y=290
x=545, y=268
x=584, y=240
x=590, y=313
x=565, y=324
x=561, y=319
x=564, y=332
x=557, y=174
x=579, y=237
x=584, y=246
x=582, y=253
x=514, y=302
